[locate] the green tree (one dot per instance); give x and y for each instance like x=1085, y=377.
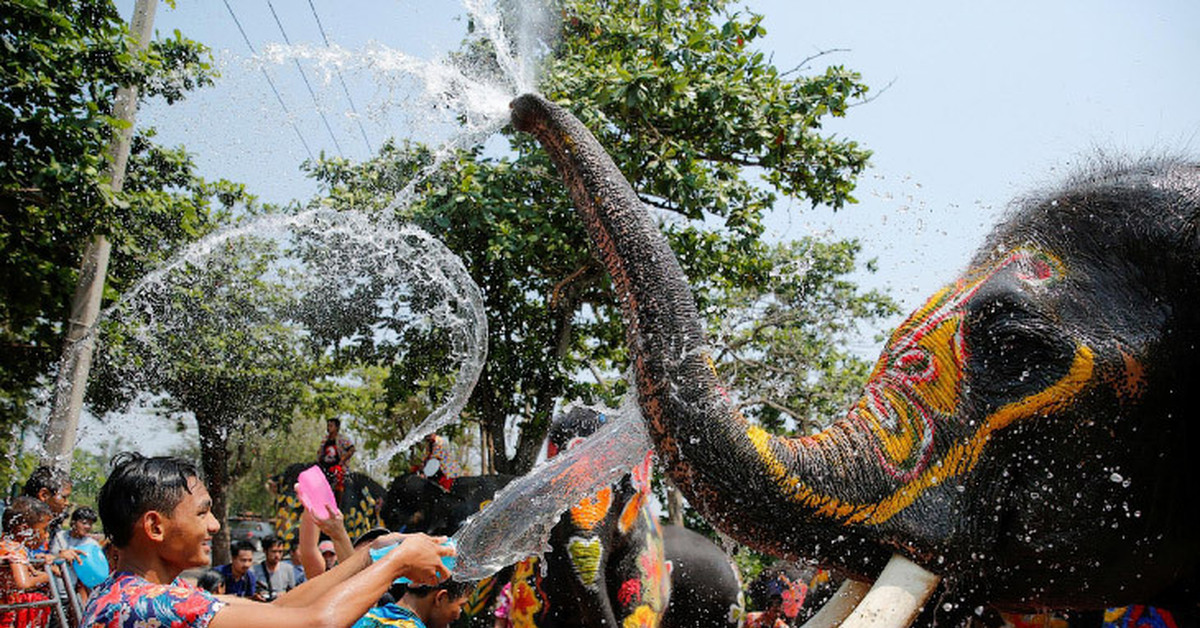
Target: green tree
x=689, y=110
x=216, y=340
x=61, y=65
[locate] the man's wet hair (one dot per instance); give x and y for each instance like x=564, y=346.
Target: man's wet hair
x=52, y=479
x=137, y=485
x=83, y=513
x=240, y=546
x=452, y=587
x=335, y=421
x=25, y=511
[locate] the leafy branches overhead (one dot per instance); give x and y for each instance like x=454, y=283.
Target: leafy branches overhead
x=690, y=112
x=60, y=68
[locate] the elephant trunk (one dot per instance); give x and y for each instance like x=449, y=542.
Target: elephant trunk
x=787, y=497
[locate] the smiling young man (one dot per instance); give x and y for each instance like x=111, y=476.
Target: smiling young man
x=157, y=513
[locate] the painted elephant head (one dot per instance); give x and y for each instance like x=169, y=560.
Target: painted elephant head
x=360, y=503
x=1026, y=434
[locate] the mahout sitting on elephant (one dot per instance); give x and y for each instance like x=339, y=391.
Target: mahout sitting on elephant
x=1025, y=440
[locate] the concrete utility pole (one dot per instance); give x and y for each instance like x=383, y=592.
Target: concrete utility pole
x=76, y=360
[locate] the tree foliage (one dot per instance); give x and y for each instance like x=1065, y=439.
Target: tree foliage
x=61, y=65
x=216, y=340
x=688, y=109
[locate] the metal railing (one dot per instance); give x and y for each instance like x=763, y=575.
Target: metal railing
x=60, y=587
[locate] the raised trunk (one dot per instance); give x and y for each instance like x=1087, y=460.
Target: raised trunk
x=815, y=497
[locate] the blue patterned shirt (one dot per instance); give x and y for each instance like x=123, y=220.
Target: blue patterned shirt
x=390, y=615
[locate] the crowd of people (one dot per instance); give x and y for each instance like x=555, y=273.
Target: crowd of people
x=158, y=528
x=158, y=524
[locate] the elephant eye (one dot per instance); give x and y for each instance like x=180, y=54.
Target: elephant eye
x=1015, y=351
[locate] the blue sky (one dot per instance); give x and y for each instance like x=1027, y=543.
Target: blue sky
x=974, y=103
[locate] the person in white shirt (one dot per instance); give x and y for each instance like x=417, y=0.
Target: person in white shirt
x=274, y=577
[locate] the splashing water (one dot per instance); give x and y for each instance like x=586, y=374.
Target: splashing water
x=517, y=523
x=333, y=280
x=464, y=97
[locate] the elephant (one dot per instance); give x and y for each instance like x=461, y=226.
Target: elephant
x=706, y=589
x=415, y=503
x=1024, y=440
x=360, y=503
x=610, y=564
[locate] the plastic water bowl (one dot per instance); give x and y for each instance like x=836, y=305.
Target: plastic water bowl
x=94, y=568
x=313, y=490
x=449, y=561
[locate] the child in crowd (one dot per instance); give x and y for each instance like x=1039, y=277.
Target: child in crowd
x=75, y=538
x=25, y=523
x=212, y=581
x=434, y=606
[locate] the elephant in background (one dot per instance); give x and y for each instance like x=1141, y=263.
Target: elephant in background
x=360, y=503
x=706, y=589
x=1026, y=439
x=611, y=563
x=416, y=503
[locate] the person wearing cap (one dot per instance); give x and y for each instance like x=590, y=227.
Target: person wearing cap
x=328, y=553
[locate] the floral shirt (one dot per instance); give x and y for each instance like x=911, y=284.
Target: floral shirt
x=125, y=600
x=392, y=615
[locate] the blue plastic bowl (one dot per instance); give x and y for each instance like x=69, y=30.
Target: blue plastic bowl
x=94, y=568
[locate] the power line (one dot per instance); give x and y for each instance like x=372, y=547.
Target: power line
x=357, y=119
x=304, y=76
x=286, y=113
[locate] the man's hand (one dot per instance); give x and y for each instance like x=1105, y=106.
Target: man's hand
x=71, y=555
x=419, y=558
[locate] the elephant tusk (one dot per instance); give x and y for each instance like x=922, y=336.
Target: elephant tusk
x=839, y=607
x=897, y=596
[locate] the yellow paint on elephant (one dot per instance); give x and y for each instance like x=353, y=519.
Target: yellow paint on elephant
x=585, y=558
x=641, y=617
x=958, y=461
x=525, y=602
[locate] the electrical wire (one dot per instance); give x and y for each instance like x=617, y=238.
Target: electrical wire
x=304, y=76
x=345, y=90
x=286, y=113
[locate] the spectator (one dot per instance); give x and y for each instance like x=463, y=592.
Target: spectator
x=51, y=486
x=328, y=553
x=434, y=606
x=78, y=535
x=212, y=581
x=273, y=576
x=25, y=522
x=335, y=452
x=239, y=579
x=295, y=565
x=158, y=514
